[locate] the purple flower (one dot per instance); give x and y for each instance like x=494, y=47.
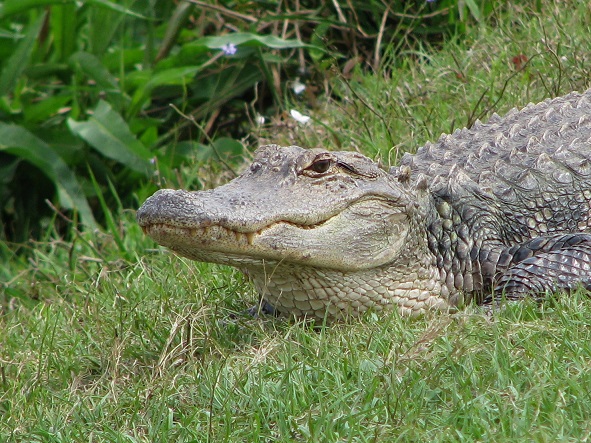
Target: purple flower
x=229, y=49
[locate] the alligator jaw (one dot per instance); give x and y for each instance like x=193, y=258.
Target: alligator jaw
x=215, y=232
x=160, y=230
x=287, y=241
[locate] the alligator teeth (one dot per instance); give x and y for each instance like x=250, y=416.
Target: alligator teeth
x=213, y=232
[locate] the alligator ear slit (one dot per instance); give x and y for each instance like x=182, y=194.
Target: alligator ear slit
x=347, y=167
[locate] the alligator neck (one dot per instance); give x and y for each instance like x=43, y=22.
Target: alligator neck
x=319, y=292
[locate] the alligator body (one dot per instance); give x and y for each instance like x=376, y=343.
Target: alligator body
x=500, y=208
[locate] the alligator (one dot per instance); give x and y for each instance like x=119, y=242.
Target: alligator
x=501, y=209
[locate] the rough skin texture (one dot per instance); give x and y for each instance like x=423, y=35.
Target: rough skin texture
x=503, y=207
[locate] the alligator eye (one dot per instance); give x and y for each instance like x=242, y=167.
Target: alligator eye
x=320, y=166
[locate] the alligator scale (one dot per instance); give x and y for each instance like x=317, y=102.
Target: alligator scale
x=501, y=208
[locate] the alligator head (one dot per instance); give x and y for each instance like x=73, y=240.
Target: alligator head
x=298, y=222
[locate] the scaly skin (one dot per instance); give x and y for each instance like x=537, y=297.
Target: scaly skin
x=503, y=206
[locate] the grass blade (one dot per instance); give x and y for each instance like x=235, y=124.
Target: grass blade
x=109, y=219
x=176, y=76
x=63, y=26
x=19, y=60
x=92, y=67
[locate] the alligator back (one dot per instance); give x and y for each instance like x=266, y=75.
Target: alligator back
x=530, y=170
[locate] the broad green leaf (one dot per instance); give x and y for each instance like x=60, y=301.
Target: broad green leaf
x=19, y=60
x=137, y=79
x=238, y=38
x=188, y=54
x=175, y=154
x=94, y=69
x=118, y=59
x=177, y=21
x=215, y=90
x=102, y=26
x=175, y=76
x=8, y=171
x=36, y=112
x=108, y=133
x=222, y=149
x=115, y=7
x=474, y=10
x=18, y=141
x=10, y=7
x=317, y=39
x=71, y=148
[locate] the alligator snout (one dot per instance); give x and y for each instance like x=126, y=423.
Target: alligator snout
x=174, y=208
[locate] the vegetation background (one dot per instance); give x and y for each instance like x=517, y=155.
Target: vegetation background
x=104, y=337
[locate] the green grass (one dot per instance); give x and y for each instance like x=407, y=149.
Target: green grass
x=154, y=348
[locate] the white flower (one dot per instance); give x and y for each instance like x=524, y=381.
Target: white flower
x=298, y=87
x=229, y=49
x=299, y=117
x=259, y=119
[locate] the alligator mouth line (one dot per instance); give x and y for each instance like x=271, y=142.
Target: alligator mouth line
x=203, y=232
